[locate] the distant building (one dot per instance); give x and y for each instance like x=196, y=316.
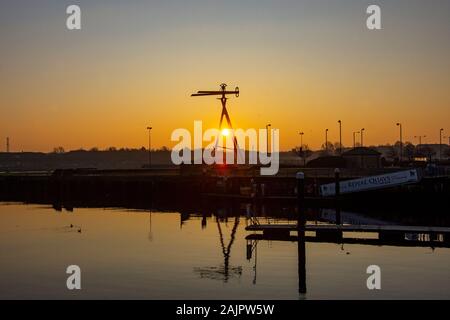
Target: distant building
x=388, y=152
x=432, y=151
x=327, y=162
x=362, y=157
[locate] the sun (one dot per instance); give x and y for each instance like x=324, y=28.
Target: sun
x=225, y=132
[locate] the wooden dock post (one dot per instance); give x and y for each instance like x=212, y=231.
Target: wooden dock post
x=249, y=250
x=301, y=221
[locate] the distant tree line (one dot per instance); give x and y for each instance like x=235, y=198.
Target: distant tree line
x=408, y=150
x=61, y=150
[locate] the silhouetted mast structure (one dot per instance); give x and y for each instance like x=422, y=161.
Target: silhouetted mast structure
x=223, y=99
x=7, y=144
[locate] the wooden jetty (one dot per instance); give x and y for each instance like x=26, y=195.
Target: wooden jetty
x=419, y=242
x=335, y=232
x=348, y=228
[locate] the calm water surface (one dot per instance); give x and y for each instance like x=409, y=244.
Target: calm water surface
x=127, y=254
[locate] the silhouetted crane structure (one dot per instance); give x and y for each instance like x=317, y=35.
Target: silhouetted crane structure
x=223, y=99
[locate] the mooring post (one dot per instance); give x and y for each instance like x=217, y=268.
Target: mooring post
x=301, y=220
x=249, y=250
x=337, y=194
x=300, y=176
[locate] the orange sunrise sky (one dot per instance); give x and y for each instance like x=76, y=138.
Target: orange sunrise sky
x=300, y=65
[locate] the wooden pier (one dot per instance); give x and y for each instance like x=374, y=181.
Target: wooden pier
x=348, y=228
x=334, y=233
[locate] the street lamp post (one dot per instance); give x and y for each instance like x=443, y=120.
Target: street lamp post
x=354, y=139
x=440, y=144
x=267, y=137
x=362, y=137
x=340, y=137
x=326, y=140
x=149, y=146
x=420, y=138
x=301, y=147
x=401, y=140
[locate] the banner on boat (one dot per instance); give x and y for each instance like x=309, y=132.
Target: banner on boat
x=371, y=183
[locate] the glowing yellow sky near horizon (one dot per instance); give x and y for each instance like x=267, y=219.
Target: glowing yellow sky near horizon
x=298, y=70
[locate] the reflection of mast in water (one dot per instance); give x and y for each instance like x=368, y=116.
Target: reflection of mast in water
x=227, y=250
x=223, y=272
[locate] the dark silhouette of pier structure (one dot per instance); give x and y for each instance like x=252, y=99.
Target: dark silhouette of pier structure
x=390, y=235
